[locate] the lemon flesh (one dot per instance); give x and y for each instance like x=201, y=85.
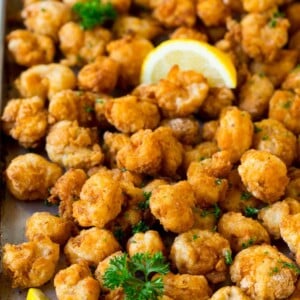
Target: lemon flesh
x=194, y=55
x=36, y=294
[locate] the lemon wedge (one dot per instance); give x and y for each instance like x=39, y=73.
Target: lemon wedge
x=188, y=54
x=36, y=294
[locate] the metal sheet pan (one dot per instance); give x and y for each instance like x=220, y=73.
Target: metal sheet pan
x=13, y=212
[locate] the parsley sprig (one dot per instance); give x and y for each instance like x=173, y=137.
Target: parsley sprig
x=134, y=275
x=277, y=15
x=93, y=13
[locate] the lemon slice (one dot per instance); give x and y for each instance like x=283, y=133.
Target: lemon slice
x=194, y=55
x=36, y=294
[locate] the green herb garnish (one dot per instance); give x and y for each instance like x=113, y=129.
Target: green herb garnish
x=291, y=266
x=88, y=109
x=134, y=275
x=248, y=243
x=99, y=100
x=145, y=204
x=257, y=129
x=251, y=211
x=93, y=13
x=139, y=227
x=216, y=211
x=245, y=196
x=277, y=15
x=218, y=181
x=228, y=257
x=287, y=104
x=119, y=234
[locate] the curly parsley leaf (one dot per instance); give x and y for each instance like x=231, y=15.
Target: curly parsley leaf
x=93, y=13
x=134, y=275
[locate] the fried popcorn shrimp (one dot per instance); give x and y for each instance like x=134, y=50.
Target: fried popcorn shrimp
x=255, y=94
x=234, y=124
x=113, y=142
x=142, y=155
x=289, y=232
x=293, y=187
x=292, y=13
x=278, y=69
x=262, y=273
x=273, y=137
x=67, y=190
x=162, y=206
x=184, y=32
x=46, y=17
x=145, y=242
x=292, y=81
x=25, y=120
x=209, y=130
x=116, y=294
x=284, y=107
x=205, y=219
x=242, y=232
x=146, y=28
x=45, y=80
x=260, y=5
x=205, y=178
x=102, y=267
x=237, y=198
x=198, y=153
x=212, y=12
x=228, y=293
x=171, y=151
x=100, y=76
x=30, y=264
x=76, y=282
x=186, y=130
x=29, y=176
x=201, y=252
x=262, y=37
x=272, y=215
x=129, y=52
x=100, y=104
x=185, y=287
x=29, y=49
x=294, y=42
x=174, y=13
x=72, y=105
x=122, y=6
x=264, y=175
x=101, y=199
x=81, y=46
x=28, y=2
x=217, y=99
x=181, y=93
x=130, y=114
x=46, y=224
x=296, y=293
x=72, y=146
x=91, y=246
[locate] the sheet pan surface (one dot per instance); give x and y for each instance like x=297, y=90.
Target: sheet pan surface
x=13, y=213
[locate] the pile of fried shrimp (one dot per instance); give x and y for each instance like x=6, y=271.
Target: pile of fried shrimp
x=206, y=175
